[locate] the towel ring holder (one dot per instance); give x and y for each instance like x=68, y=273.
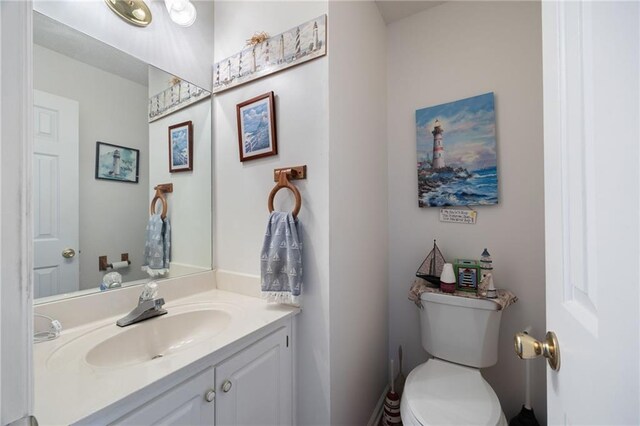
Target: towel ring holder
x=160, y=191
x=283, y=182
x=156, y=198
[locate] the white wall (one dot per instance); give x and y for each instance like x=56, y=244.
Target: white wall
x=113, y=215
x=186, y=52
x=358, y=221
x=449, y=52
x=190, y=203
x=242, y=188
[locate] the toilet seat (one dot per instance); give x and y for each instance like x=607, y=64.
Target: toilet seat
x=442, y=393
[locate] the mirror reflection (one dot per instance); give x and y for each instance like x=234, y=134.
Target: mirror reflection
x=121, y=167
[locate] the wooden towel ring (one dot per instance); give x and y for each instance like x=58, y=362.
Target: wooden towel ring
x=160, y=197
x=160, y=191
x=283, y=182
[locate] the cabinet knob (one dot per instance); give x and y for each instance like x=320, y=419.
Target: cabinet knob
x=226, y=386
x=210, y=396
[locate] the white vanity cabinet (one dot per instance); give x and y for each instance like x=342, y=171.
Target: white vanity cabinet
x=254, y=386
x=250, y=387
x=186, y=404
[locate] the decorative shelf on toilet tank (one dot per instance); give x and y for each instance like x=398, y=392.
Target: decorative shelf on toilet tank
x=467, y=274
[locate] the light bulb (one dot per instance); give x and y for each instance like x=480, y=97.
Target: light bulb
x=182, y=12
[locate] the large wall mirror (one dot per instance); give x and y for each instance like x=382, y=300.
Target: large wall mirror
x=109, y=129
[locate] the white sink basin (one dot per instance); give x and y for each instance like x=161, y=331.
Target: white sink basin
x=111, y=346
x=157, y=337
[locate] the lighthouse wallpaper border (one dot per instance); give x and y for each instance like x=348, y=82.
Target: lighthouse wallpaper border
x=456, y=153
x=117, y=163
x=300, y=44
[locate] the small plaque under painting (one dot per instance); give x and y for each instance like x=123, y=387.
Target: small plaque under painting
x=458, y=216
x=431, y=267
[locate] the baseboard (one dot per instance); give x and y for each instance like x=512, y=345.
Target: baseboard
x=376, y=416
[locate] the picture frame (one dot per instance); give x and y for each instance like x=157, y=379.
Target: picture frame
x=117, y=163
x=181, y=147
x=467, y=275
x=257, y=127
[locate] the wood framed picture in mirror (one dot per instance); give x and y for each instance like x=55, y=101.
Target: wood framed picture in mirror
x=181, y=147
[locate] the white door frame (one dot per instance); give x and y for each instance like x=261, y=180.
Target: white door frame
x=16, y=284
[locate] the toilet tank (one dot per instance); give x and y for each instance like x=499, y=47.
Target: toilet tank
x=460, y=329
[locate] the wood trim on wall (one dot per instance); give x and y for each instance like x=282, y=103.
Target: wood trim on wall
x=16, y=141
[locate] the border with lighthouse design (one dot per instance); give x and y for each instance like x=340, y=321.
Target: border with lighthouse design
x=293, y=47
x=456, y=146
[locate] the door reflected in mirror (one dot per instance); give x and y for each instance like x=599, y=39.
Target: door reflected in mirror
x=102, y=143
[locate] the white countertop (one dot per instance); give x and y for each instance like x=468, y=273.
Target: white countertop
x=68, y=389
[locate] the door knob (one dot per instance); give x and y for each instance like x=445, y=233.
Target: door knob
x=527, y=347
x=210, y=396
x=226, y=386
x=68, y=253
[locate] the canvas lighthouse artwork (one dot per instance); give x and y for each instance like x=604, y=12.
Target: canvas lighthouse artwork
x=456, y=146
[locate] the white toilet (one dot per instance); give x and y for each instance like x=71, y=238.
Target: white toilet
x=462, y=335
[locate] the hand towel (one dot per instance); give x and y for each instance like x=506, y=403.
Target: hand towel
x=281, y=260
x=157, y=246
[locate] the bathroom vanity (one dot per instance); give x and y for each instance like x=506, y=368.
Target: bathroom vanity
x=217, y=357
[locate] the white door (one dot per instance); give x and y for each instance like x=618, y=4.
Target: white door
x=253, y=387
x=55, y=195
x=592, y=186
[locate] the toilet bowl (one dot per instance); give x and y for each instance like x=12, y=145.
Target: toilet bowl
x=462, y=335
x=441, y=393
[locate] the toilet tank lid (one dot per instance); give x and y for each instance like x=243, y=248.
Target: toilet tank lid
x=462, y=301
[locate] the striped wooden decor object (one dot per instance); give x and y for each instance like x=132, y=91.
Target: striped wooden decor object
x=391, y=413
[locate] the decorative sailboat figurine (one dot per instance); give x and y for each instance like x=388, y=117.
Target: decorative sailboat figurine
x=431, y=268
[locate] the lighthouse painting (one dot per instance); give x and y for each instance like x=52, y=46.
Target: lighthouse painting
x=456, y=147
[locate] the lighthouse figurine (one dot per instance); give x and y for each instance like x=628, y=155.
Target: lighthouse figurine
x=486, y=264
x=486, y=270
x=438, y=148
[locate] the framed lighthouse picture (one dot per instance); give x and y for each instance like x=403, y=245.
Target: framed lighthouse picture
x=456, y=147
x=115, y=162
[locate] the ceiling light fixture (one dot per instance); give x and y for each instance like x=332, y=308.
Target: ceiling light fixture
x=182, y=12
x=135, y=12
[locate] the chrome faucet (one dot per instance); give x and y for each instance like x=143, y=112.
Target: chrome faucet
x=149, y=306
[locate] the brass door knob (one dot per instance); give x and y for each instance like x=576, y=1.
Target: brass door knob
x=527, y=347
x=68, y=253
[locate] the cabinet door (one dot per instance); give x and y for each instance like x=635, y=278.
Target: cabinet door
x=254, y=386
x=185, y=404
